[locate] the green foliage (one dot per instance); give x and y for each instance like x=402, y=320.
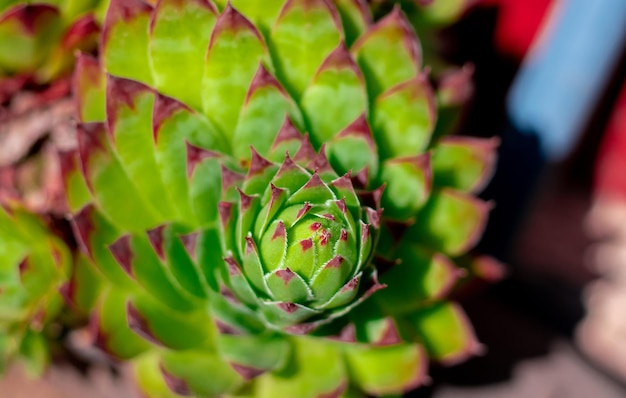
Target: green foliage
x=244, y=176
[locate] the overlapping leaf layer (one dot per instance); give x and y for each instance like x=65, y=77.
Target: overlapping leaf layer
x=34, y=265
x=38, y=39
x=259, y=183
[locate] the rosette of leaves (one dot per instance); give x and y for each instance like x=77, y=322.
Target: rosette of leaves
x=233, y=164
x=38, y=39
x=34, y=265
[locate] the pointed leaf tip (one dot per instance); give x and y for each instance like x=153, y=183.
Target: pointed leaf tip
x=247, y=372
x=306, y=207
x=320, y=162
x=195, y=155
x=155, y=236
x=230, y=178
x=123, y=254
x=233, y=266
x=263, y=79
x=83, y=227
x=190, y=243
x=306, y=153
x=244, y=200
x=120, y=93
x=91, y=139
x=339, y=59
x=164, y=109
x=280, y=232
x=225, y=210
x=176, y=384
x=286, y=274
x=258, y=164
x=287, y=132
x=374, y=216
x=390, y=334
x=138, y=324
x=360, y=128
x=232, y=20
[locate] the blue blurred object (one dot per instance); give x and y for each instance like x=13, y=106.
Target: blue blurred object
x=564, y=76
x=550, y=104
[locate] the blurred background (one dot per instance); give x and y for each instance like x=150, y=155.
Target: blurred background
x=548, y=77
x=550, y=81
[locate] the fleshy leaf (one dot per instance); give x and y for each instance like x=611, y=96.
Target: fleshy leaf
x=253, y=355
x=446, y=333
x=315, y=370
x=106, y=179
x=388, y=53
x=464, y=163
x=179, y=35
x=89, y=89
x=261, y=13
x=450, y=221
x=339, y=82
x=404, y=117
x=109, y=327
x=174, y=126
x=143, y=265
x=419, y=277
x=355, y=17
x=76, y=191
x=190, y=369
x=266, y=107
x=387, y=369
x=129, y=118
x=125, y=40
x=153, y=322
x=234, y=54
x=25, y=32
x=408, y=186
x=353, y=149
x=304, y=34
x=286, y=285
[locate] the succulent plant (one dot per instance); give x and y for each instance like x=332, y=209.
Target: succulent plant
x=34, y=264
x=260, y=186
x=38, y=40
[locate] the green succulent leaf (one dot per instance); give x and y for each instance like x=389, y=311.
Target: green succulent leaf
x=89, y=89
x=464, y=163
x=129, y=117
x=388, y=53
x=420, y=277
x=304, y=34
x=110, y=330
x=450, y=222
x=106, y=177
x=25, y=31
x=125, y=40
x=265, y=109
x=355, y=17
x=262, y=14
x=316, y=369
x=187, y=371
x=152, y=321
x=235, y=51
x=339, y=81
x=446, y=333
x=370, y=367
x=408, y=186
x=175, y=40
x=404, y=117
